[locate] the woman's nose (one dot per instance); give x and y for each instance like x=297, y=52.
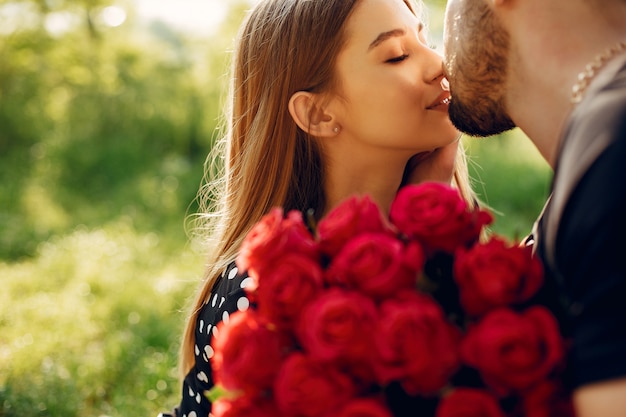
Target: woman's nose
x=434, y=73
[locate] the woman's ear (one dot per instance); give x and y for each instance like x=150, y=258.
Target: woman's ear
x=310, y=116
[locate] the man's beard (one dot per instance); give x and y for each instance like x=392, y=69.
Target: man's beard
x=479, y=71
x=479, y=117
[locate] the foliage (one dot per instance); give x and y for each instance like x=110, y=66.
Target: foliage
x=511, y=178
x=90, y=117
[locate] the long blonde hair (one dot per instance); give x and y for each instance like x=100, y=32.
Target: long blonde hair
x=264, y=159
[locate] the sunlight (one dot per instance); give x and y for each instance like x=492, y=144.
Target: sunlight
x=113, y=16
x=200, y=17
x=59, y=23
x=14, y=16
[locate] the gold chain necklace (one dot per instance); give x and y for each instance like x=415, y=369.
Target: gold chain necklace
x=592, y=68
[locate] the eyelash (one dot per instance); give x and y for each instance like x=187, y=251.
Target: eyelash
x=402, y=57
x=397, y=59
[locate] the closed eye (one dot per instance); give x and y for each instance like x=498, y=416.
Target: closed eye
x=397, y=59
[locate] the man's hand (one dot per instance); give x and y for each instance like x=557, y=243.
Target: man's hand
x=437, y=165
x=603, y=399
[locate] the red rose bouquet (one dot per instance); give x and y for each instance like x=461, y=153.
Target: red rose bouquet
x=372, y=317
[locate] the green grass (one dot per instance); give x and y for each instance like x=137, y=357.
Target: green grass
x=91, y=325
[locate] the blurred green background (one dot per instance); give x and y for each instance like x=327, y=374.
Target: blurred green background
x=104, y=128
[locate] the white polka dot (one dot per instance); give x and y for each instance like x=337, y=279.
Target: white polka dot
x=197, y=350
x=201, y=325
x=202, y=377
x=246, y=283
x=215, y=331
x=222, y=301
x=198, y=398
x=233, y=273
x=208, y=350
x=242, y=304
x=208, y=328
x=191, y=393
x=192, y=414
x=214, y=300
x=225, y=317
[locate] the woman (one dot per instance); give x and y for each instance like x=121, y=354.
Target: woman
x=329, y=98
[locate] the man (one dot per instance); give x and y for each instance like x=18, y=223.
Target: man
x=557, y=70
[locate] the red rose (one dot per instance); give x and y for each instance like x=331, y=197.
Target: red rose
x=376, y=264
x=548, y=399
x=244, y=406
x=495, y=274
x=306, y=388
x=469, y=402
x=247, y=354
x=435, y=214
x=364, y=407
x=271, y=238
x=514, y=351
x=353, y=216
x=415, y=344
x=338, y=326
x=286, y=287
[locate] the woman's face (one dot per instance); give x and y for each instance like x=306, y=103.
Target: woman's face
x=389, y=80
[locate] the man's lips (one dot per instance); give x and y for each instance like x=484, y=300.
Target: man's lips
x=441, y=103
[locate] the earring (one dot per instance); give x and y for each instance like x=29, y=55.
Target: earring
x=336, y=129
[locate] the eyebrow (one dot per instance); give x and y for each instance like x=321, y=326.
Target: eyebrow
x=384, y=36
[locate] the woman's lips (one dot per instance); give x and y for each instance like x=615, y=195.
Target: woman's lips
x=441, y=103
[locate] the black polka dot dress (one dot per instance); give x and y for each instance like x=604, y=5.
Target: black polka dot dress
x=227, y=297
